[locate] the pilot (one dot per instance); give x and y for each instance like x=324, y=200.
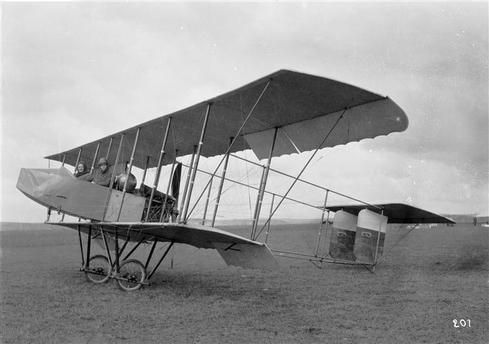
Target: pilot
x=81, y=169
x=101, y=175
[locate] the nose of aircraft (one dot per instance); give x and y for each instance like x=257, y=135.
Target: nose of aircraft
x=41, y=184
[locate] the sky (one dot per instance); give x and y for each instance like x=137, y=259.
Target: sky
x=76, y=72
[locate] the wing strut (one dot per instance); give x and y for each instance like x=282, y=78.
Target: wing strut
x=187, y=181
x=263, y=184
x=233, y=140
x=207, y=201
x=78, y=159
x=109, y=148
x=112, y=178
x=158, y=168
x=145, y=170
x=170, y=183
x=302, y=171
x=221, y=184
x=128, y=172
x=94, y=158
x=196, y=163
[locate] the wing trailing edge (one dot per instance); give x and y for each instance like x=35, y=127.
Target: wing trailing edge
x=375, y=118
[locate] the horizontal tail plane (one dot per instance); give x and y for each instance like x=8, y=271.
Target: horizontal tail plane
x=396, y=212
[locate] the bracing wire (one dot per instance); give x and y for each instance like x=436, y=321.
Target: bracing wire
x=232, y=185
x=249, y=190
x=231, y=145
x=300, y=173
x=402, y=237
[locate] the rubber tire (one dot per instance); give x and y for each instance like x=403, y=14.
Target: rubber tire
x=137, y=277
x=103, y=263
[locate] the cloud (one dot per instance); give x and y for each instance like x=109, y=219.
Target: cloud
x=73, y=72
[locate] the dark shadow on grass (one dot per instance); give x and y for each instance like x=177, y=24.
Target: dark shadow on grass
x=228, y=283
x=467, y=259
x=473, y=262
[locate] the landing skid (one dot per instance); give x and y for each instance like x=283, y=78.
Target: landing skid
x=318, y=261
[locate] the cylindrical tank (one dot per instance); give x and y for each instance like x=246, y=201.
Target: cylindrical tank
x=131, y=182
x=370, y=236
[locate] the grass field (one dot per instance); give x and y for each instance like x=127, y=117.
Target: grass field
x=430, y=278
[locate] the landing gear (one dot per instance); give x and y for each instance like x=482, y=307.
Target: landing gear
x=99, y=269
x=132, y=275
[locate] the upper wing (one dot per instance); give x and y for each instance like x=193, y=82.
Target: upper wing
x=396, y=213
x=234, y=249
x=304, y=107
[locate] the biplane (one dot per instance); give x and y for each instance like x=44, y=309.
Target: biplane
x=283, y=113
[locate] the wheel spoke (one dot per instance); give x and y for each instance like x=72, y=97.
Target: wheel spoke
x=99, y=269
x=132, y=275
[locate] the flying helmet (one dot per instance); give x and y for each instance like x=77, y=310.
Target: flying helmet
x=102, y=161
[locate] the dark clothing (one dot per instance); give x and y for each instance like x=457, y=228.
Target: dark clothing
x=99, y=177
x=80, y=174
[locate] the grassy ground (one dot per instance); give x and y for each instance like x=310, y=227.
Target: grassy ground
x=430, y=278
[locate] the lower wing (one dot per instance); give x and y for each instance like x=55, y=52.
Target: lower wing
x=234, y=249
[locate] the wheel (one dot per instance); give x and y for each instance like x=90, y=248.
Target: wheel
x=131, y=275
x=99, y=269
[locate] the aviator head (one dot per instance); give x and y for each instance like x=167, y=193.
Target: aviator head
x=81, y=167
x=103, y=163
